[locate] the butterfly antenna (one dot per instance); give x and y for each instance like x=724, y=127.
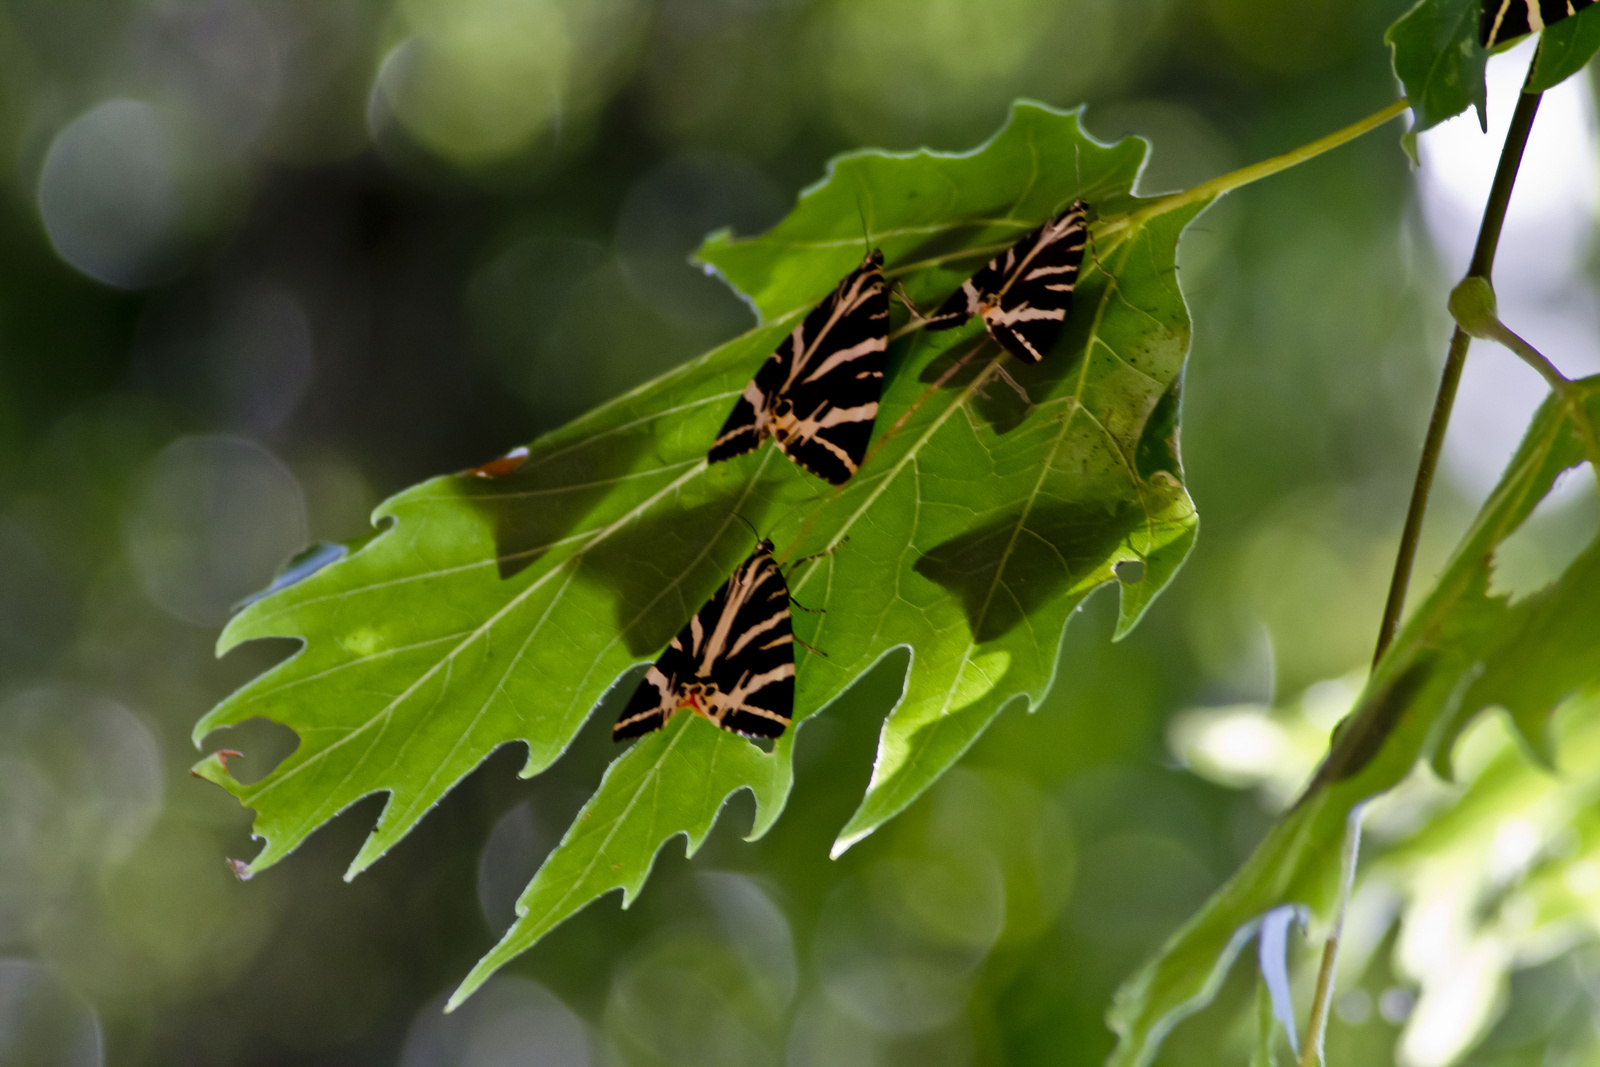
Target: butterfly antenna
x=861, y=213
x=748, y=523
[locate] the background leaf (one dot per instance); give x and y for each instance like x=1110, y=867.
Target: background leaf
x=1464, y=649
x=502, y=609
x=1566, y=49
x=1438, y=59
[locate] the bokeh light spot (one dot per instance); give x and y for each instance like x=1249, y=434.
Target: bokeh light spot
x=216, y=517
x=43, y=1022
x=510, y=1022
x=479, y=81
x=113, y=196
x=509, y=860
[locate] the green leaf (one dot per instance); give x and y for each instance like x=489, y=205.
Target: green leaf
x=1567, y=47
x=495, y=610
x=1264, y=1051
x=641, y=803
x=1463, y=650
x=1438, y=59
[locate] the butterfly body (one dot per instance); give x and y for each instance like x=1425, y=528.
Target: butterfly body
x=732, y=663
x=1023, y=294
x=817, y=395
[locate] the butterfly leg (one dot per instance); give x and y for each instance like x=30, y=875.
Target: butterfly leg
x=830, y=550
x=918, y=320
x=810, y=648
x=1088, y=246
x=1005, y=376
x=899, y=290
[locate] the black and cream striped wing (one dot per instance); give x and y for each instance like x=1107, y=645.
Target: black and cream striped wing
x=1505, y=20
x=976, y=291
x=1024, y=294
x=733, y=663
x=817, y=395
x=660, y=693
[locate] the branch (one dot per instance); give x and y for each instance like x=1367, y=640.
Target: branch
x=1494, y=217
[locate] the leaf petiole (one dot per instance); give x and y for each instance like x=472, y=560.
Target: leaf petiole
x=1472, y=304
x=1207, y=190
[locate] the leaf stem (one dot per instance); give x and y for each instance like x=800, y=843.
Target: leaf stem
x=1494, y=216
x=1256, y=171
x=1571, y=394
x=1317, y=1024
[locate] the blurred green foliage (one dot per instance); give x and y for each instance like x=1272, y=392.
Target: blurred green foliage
x=1466, y=648
x=293, y=257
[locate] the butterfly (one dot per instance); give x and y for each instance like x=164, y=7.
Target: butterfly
x=1023, y=295
x=1503, y=20
x=817, y=395
x=733, y=663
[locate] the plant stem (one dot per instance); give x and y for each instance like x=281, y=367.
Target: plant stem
x=1256, y=171
x=1432, y=444
x=1559, y=383
x=1494, y=217
x=1570, y=393
x=1317, y=1024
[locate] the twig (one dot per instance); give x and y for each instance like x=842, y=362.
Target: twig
x=1317, y=1024
x=1494, y=217
x=1474, y=307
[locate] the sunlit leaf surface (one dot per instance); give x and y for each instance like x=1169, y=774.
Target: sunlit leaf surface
x=1464, y=649
x=493, y=610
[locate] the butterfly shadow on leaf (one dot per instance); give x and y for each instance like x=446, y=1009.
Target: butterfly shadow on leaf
x=533, y=507
x=663, y=566
x=1014, y=389
x=1007, y=568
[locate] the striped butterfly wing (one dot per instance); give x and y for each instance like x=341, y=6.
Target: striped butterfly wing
x=817, y=395
x=661, y=692
x=1024, y=294
x=1504, y=20
x=733, y=663
x=969, y=300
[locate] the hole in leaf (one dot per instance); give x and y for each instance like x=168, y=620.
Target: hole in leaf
x=1130, y=571
x=264, y=745
x=1541, y=549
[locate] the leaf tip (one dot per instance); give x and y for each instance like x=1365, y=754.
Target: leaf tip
x=233, y=632
x=1538, y=739
x=372, y=850
x=848, y=838
x=1408, y=144
x=214, y=768
x=472, y=982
